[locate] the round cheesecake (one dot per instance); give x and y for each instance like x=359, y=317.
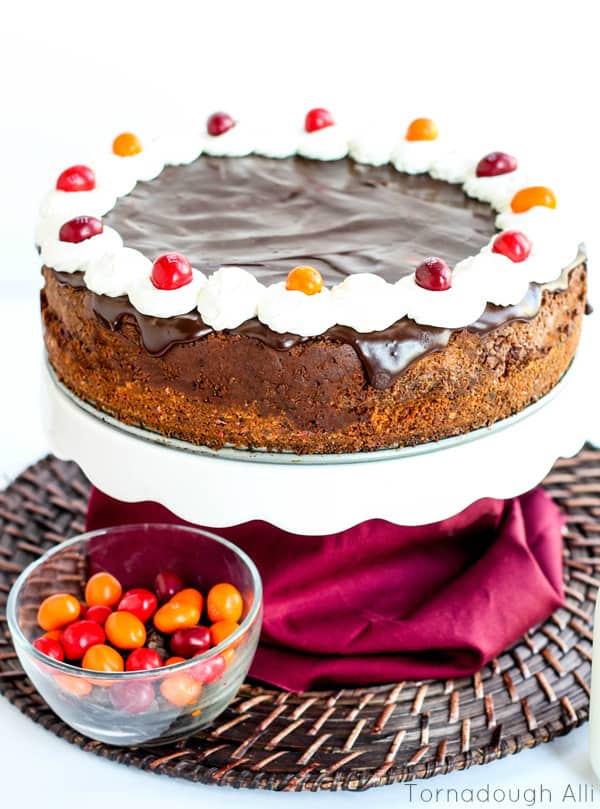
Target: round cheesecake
x=338, y=373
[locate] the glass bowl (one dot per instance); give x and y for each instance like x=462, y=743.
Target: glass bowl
x=130, y=708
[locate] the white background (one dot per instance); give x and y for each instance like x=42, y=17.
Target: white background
x=74, y=74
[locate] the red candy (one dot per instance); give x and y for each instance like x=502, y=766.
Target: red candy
x=133, y=697
x=79, y=229
x=218, y=123
x=108, y=635
x=171, y=271
x=79, y=636
x=434, y=274
x=50, y=648
x=513, y=244
x=190, y=641
x=496, y=163
x=76, y=178
x=98, y=613
x=139, y=601
x=167, y=584
x=318, y=118
x=143, y=660
x=207, y=671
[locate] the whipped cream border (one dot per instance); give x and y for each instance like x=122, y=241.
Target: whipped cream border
x=366, y=302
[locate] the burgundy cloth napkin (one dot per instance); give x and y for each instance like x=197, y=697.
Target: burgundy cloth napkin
x=380, y=602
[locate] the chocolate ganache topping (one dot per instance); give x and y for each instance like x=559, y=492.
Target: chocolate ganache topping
x=268, y=216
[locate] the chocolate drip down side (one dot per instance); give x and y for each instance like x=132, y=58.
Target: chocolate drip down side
x=340, y=216
x=384, y=355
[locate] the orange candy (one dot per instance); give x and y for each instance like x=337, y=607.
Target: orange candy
x=103, y=590
x=125, y=630
x=189, y=596
x=57, y=611
x=221, y=630
x=126, y=145
x=528, y=198
x=102, y=658
x=422, y=129
x=224, y=602
x=55, y=634
x=180, y=689
x=74, y=685
x=304, y=279
x=228, y=655
x=176, y=615
x=171, y=661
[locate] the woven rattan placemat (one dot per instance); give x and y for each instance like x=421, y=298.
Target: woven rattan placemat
x=350, y=738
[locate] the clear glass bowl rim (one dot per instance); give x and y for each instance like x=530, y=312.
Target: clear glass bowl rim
x=73, y=670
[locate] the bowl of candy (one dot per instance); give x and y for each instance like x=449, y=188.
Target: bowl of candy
x=138, y=634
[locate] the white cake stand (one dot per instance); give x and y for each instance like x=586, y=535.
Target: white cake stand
x=315, y=495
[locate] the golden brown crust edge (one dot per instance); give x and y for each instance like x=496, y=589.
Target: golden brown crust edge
x=233, y=390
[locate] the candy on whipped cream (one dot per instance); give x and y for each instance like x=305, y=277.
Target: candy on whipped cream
x=452, y=308
x=76, y=256
x=284, y=310
x=419, y=148
x=553, y=236
x=329, y=143
x=236, y=141
x=364, y=302
x=149, y=300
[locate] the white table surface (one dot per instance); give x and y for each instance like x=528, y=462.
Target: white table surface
x=63, y=775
